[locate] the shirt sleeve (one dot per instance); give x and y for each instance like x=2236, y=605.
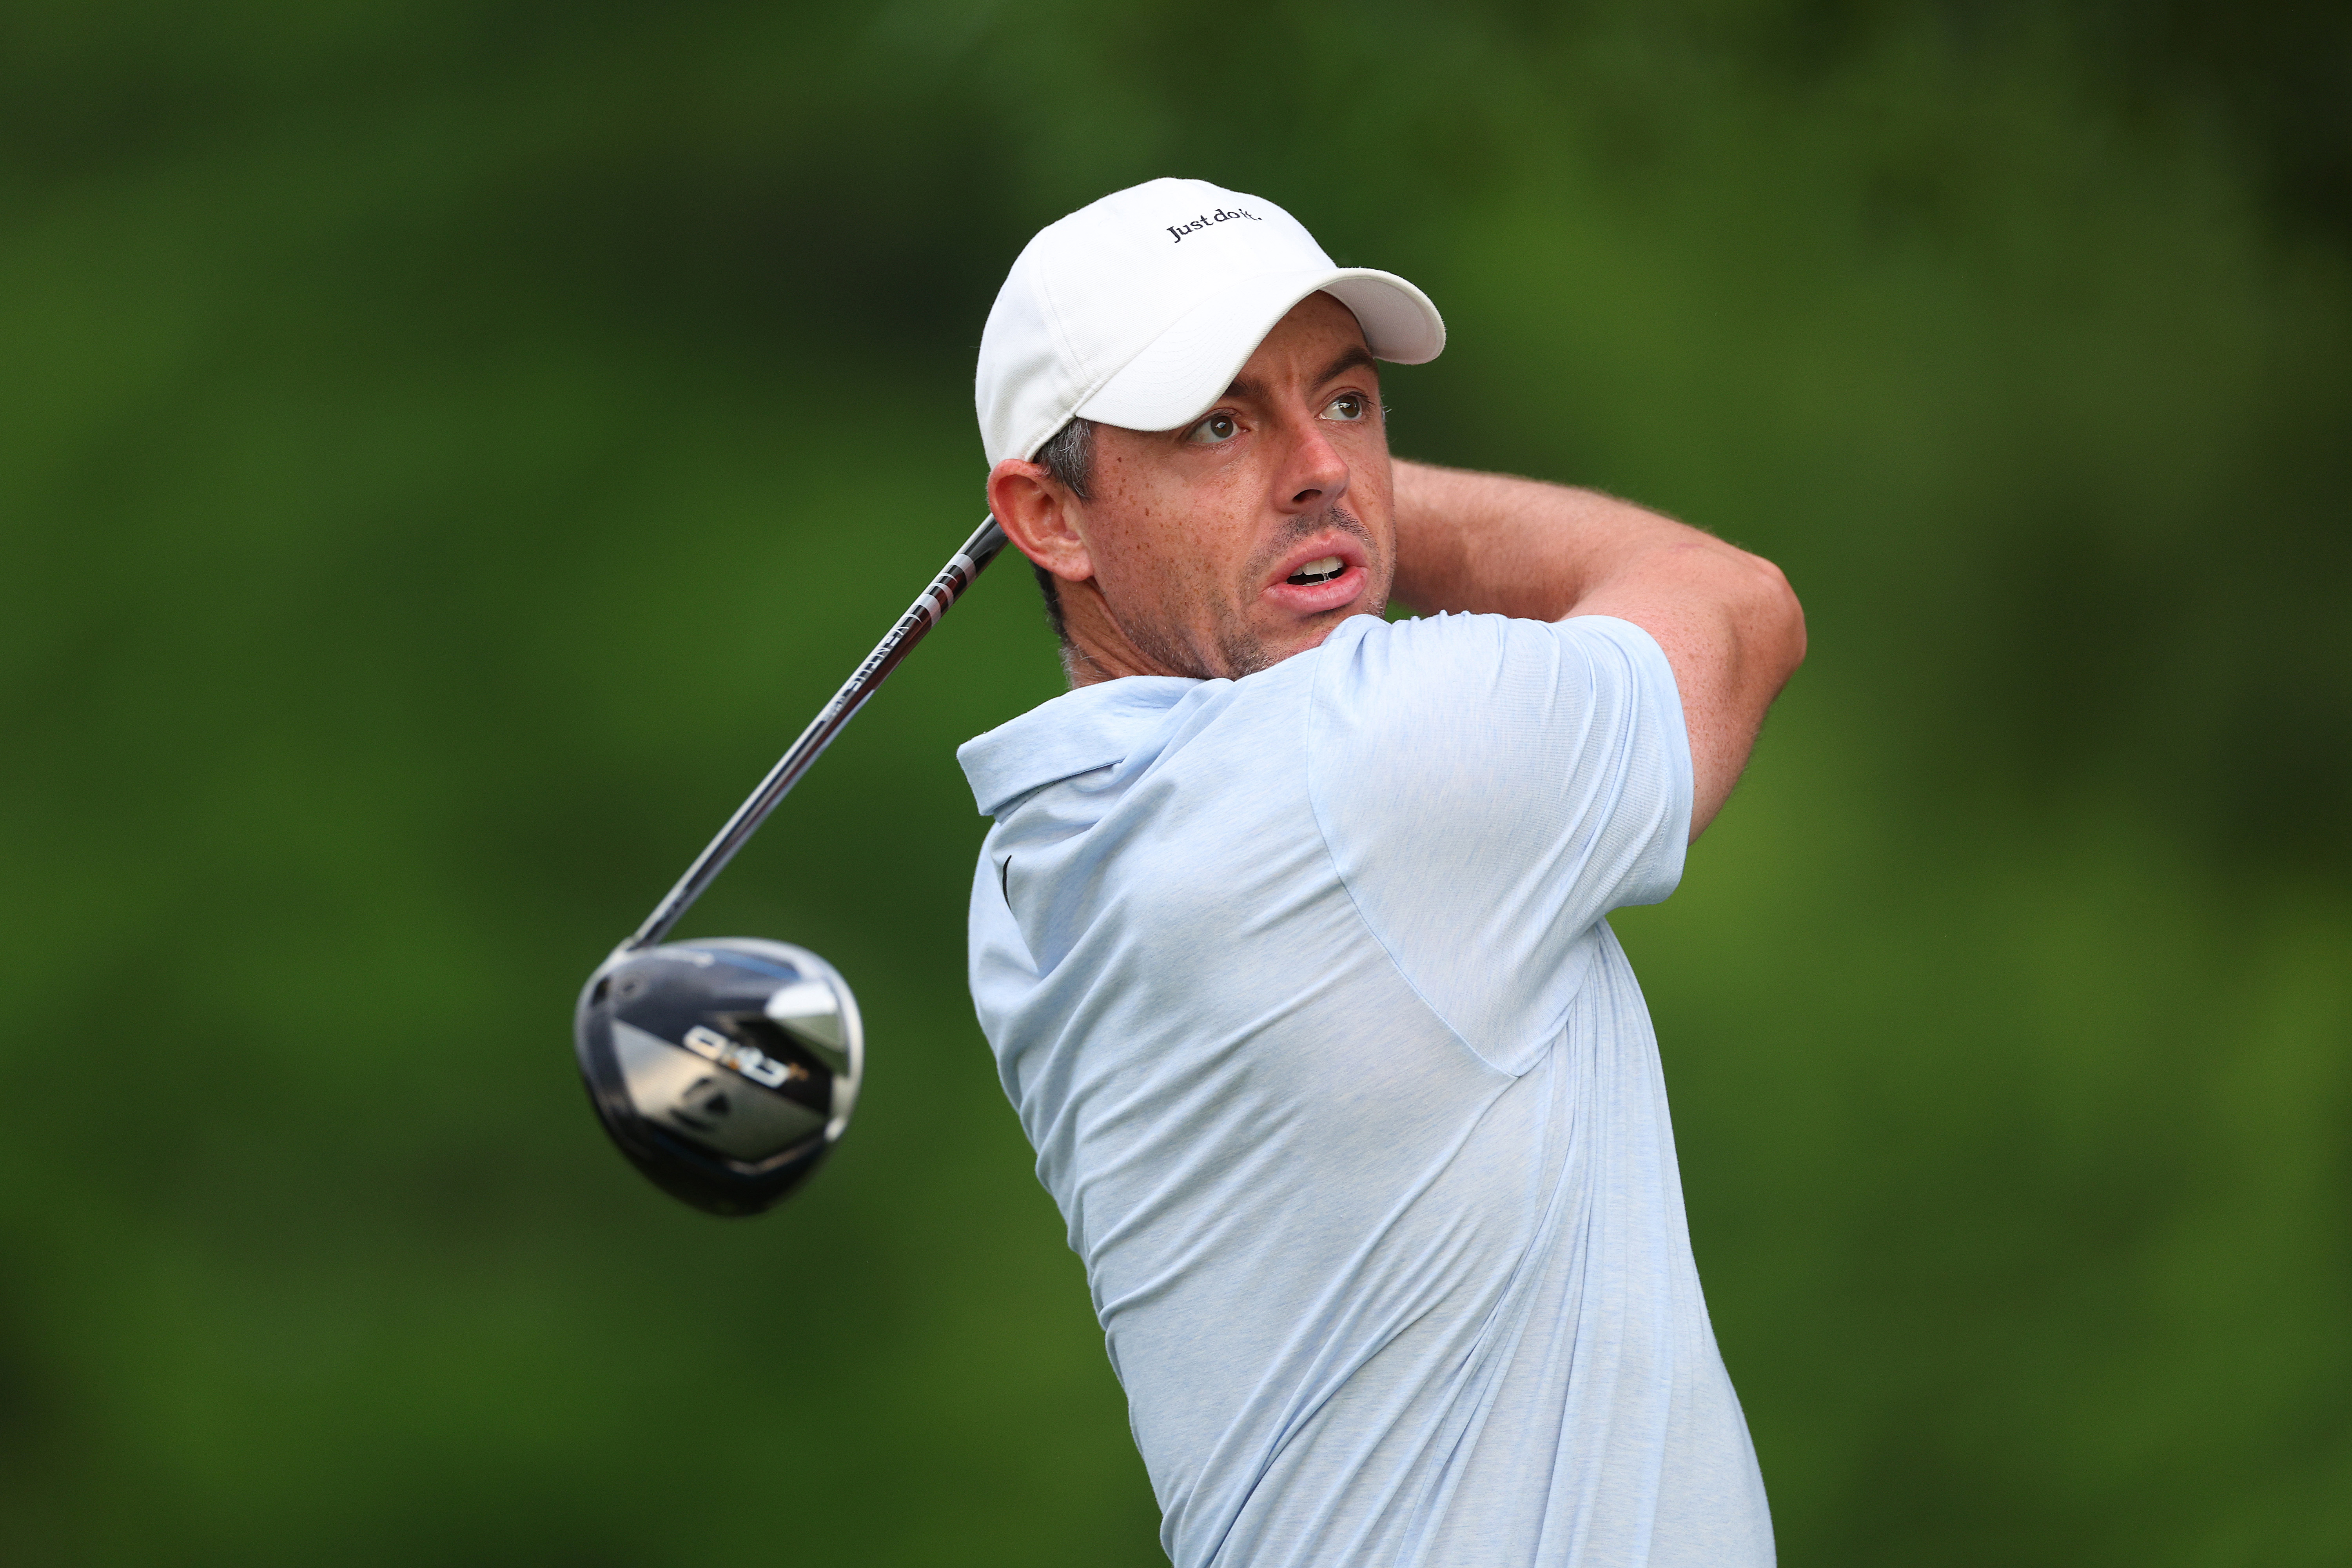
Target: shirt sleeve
x=1489, y=789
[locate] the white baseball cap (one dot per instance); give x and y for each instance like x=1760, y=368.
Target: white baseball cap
x=1139, y=310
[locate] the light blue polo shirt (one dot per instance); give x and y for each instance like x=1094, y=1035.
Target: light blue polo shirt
x=1302, y=987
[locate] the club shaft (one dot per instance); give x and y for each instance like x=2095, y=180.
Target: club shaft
x=935, y=601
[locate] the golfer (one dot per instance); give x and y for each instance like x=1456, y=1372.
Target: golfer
x=1290, y=936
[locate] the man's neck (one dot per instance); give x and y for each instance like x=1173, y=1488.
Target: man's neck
x=1094, y=647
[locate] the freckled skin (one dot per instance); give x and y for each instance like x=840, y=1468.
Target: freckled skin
x=1176, y=565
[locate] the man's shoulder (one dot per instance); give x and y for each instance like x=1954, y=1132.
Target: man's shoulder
x=1388, y=682
x=1475, y=633
x=1432, y=665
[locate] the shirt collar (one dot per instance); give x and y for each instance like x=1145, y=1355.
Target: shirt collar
x=1075, y=733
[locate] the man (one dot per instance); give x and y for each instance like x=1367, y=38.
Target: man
x=1289, y=936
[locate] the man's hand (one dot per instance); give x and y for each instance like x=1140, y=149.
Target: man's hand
x=1728, y=622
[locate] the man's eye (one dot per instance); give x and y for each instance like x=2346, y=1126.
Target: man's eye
x=1347, y=405
x=1215, y=430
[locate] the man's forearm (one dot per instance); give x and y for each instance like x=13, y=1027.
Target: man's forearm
x=1726, y=620
x=1498, y=544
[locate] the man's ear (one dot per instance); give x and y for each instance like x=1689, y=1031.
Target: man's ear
x=1040, y=516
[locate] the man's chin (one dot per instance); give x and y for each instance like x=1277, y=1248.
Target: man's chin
x=1302, y=634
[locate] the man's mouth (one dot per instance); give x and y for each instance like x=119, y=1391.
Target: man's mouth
x=1314, y=571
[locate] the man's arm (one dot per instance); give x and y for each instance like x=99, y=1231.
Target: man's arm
x=1730, y=626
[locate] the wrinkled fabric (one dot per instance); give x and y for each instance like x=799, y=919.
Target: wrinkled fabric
x=1303, y=989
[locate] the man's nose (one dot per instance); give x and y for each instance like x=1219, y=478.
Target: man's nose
x=1315, y=474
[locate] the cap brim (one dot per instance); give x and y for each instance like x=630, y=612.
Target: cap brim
x=1187, y=368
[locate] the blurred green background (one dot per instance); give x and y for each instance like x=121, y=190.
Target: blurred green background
x=446, y=450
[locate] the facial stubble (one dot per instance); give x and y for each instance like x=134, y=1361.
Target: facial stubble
x=1237, y=647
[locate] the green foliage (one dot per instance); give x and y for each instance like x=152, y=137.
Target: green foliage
x=448, y=450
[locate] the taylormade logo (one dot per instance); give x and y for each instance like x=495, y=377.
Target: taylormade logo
x=1221, y=215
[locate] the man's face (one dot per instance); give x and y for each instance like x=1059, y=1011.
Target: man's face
x=1227, y=546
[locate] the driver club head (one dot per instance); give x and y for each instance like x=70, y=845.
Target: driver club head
x=725, y=1067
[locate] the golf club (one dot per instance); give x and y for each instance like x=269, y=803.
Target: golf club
x=726, y=1069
